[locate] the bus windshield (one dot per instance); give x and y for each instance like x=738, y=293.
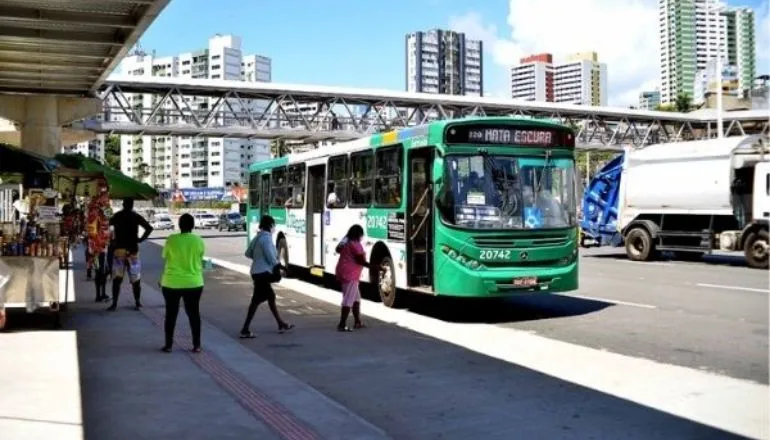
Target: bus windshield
x=508, y=192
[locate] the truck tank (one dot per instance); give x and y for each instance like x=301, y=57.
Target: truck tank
x=600, y=204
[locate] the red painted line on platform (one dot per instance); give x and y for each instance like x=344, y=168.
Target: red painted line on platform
x=278, y=418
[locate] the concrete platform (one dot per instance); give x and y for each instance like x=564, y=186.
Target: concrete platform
x=104, y=377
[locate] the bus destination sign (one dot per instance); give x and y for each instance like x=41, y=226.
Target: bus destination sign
x=507, y=135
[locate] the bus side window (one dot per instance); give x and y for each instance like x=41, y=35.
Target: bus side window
x=361, y=174
x=278, y=188
x=254, y=190
x=387, y=190
x=337, y=182
x=296, y=178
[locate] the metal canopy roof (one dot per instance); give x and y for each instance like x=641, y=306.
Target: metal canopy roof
x=68, y=47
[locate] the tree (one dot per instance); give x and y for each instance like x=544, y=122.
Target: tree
x=683, y=103
x=112, y=151
x=666, y=108
x=142, y=171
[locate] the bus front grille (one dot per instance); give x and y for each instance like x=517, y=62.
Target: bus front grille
x=519, y=243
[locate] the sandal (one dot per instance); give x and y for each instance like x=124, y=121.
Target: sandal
x=285, y=328
x=359, y=325
x=166, y=349
x=247, y=335
x=344, y=329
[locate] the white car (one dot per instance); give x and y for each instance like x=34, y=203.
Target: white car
x=206, y=221
x=163, y=222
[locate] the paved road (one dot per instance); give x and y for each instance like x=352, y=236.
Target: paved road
x=710, y=315
x=418, y=387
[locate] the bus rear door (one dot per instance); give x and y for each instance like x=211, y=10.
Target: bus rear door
x=316, y=183
x=420, y=218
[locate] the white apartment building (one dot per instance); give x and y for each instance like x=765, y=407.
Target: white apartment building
x=185, y=162
x=444, y=62
x=532, y=79
x=93, y=148
x=581, y=79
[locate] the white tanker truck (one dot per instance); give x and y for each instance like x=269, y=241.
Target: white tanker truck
x=691, y=198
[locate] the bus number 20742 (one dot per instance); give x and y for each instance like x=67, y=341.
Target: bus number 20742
x=495, y=254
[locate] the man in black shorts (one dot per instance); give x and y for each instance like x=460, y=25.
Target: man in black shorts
x=125, y=244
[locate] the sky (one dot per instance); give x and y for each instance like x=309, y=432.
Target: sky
x=361, y=43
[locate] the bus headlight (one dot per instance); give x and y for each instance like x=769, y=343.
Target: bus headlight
x=473, y=264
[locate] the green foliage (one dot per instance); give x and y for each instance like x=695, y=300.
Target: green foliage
x=112, y=151
x=683, y=104
x=597, y=158
x=278, y=148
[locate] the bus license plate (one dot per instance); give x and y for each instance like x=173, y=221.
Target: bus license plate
x=525, y=282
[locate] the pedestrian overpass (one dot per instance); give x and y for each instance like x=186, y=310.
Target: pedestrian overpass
x=163, y=106
x=55, y=55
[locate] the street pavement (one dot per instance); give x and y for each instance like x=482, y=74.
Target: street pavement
x=415, y=386
x=710, y=315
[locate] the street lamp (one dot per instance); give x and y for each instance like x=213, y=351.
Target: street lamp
x=717, y=7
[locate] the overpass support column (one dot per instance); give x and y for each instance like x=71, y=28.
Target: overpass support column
x=42, y=116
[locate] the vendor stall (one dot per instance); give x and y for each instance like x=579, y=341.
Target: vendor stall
x=32, y=249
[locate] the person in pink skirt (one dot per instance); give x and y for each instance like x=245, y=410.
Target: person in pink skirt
x=349, y=267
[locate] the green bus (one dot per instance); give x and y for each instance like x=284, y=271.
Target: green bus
x=482, y=207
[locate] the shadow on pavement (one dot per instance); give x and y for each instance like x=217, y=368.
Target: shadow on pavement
x=715, y=259
x=529, y=307
x=412, y=386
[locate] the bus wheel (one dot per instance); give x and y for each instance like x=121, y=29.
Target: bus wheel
x=283, y=256
x=386, y=281
x=756, y=250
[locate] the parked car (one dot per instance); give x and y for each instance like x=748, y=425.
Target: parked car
x=206, y=221
x=232, y=221
x=162, y=222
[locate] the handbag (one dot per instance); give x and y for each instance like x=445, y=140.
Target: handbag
x=275, y=276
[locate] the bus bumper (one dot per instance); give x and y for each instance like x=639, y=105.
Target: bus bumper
x=509, y=282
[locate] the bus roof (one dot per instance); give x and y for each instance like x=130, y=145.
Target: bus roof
x=432, y=132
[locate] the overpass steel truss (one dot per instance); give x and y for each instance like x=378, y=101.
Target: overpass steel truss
x=235, y=109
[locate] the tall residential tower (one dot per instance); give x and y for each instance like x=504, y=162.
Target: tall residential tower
x=580, y=79
x=693, y=32
x=445, y=62
x=191, y=162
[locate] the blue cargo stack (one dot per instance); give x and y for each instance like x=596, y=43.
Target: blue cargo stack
x=600, y=205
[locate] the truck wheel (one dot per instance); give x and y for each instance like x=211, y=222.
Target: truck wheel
x=756, y=250
x=639, y=245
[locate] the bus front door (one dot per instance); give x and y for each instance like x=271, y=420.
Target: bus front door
x=420, y=218
x=316, y=182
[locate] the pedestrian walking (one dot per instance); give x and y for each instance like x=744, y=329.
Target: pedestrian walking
x=265, y=270
x=182, y=280
x=349, y=267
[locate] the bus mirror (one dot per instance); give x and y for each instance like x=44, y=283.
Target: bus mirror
x=438, y=170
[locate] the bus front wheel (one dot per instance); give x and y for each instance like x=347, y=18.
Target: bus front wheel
x=386, y=281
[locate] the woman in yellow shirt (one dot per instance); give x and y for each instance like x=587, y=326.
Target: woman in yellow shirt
x=183, y=280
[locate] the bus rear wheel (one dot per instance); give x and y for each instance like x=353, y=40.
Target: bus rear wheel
x=385, y=281
x=283, y=256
